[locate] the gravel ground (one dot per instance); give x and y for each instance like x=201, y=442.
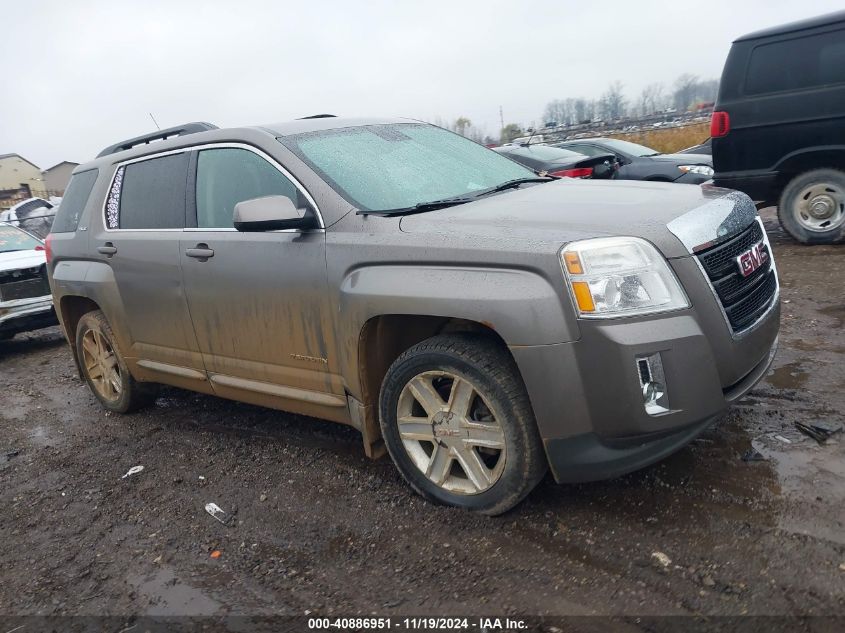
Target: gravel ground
x=318, y=528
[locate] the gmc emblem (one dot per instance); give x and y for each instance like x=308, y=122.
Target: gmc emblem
x=752, y=259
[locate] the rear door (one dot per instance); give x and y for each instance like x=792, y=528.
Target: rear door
x=259, y=301
x=139, y=241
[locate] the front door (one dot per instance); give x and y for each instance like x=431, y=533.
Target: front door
x=259, y=301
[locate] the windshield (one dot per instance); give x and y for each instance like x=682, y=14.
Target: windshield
x=397, y=166
x=12, y=239
x=626, y=147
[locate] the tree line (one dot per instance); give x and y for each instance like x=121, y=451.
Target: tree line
x=687, y=91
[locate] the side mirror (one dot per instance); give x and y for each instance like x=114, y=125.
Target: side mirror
x=271, y=213
x=602, y=170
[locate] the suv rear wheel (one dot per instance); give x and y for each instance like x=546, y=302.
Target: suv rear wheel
x=105, y=370
x=459, y=426
x=812, y=207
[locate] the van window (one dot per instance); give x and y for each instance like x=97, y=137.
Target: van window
x=74, y=201
x=228, y=176
x=805, y=62
x=149, y=194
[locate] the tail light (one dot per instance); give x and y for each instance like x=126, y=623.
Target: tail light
x=720, y=124
x=48, y=249
x=578, y=172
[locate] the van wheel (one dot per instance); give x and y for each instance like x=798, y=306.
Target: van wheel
x=105, y=370
x=812, y=207
x=459, y=426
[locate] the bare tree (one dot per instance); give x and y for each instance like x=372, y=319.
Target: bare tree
x=686, y=87
x=613, y=101
x=651, y=99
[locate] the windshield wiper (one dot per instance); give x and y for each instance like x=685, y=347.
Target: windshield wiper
x=511, y=184
x=451, y=202
x=420, y=207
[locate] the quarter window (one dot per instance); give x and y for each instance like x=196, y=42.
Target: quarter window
x=228, y=176
x=805, y=62
x=74, y=201
x=149, y=194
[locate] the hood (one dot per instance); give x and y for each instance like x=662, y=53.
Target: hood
x=571, y=209
x=684, y=159
x=16, y=260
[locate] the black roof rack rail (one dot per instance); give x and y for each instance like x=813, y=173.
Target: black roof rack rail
x=158, y=135
x=319, y=116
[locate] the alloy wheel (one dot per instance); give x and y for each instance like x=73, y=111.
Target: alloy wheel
x=451, y=433
x=101, y=366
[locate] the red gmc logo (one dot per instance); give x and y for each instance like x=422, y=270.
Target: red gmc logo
x=752, y=259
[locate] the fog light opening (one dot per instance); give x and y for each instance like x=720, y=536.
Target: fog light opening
x=653, y=384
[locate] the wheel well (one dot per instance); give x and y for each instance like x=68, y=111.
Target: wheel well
x=384, y=338
x=72, y=308
x=806, y=161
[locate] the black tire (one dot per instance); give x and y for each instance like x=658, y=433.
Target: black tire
x=493, y=373
x=7, y=336
x=789, y=212
x=132, y=394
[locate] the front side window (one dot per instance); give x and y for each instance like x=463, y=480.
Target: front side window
x=149, y=194
x=228, y=176
x=795, y=64
x=395, y=166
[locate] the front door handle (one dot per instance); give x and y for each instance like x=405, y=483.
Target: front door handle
x=200, y=251
x=107, y=249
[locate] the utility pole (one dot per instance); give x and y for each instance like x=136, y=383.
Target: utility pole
x=501, y=118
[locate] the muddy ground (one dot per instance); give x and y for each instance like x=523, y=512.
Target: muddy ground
x=318, y=528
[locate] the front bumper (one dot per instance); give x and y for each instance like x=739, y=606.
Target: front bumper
x=588, y=399
x=23, y=315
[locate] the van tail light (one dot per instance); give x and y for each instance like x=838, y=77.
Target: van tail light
x=578, y=172
x=47, y=248
x=720, y=124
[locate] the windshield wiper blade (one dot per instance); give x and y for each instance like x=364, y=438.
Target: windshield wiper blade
x=420, y=207
x=511, y=184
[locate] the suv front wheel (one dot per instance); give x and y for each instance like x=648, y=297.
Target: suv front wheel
x=104, y=369
x=459, y=426
x=812, y=207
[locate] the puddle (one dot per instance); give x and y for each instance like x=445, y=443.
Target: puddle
x=168, y=596
x=789, y=376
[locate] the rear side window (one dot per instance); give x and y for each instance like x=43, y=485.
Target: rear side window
x=149, y=194
x=74, y=201
x=228, y=176
x=806, y=62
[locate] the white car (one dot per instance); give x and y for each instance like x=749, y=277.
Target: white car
x=25, y=299
x=34, y=215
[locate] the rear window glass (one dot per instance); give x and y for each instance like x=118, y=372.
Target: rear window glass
x=151, y=194
x=74, y=201
x=806, y=62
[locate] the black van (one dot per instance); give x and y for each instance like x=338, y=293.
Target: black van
x=779, y=124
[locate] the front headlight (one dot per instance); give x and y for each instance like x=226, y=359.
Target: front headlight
x=620, y=276
x=704, y=170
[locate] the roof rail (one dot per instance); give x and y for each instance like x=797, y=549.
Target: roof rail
x=319, y=116
x=159, y=135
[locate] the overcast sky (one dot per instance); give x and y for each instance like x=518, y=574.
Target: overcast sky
x=78, y=76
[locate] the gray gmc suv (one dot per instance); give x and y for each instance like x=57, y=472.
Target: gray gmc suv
x=479, y=322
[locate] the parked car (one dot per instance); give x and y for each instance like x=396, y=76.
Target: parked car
x=638, y=162
x=25, y=301
x=559, y=162
x=34, y=215
x=704, y=148
x=480, y=322
x=779, y=124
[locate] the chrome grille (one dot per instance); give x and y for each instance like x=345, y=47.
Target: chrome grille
x=744, y=299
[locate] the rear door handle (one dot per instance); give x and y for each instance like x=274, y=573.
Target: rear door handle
x=200, y=251
x=107, y=249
